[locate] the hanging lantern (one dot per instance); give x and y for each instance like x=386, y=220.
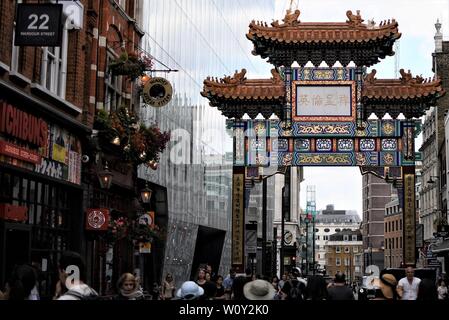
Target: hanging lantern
x=145, y=194
x=105, y=177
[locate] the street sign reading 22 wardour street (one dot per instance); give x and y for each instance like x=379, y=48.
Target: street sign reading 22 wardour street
x=38, y=25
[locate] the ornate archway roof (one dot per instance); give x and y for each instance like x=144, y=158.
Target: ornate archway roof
x=409, y=95
x=293, y=40
x=236, y=95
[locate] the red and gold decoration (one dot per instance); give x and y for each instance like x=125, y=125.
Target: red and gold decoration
x=97, y=219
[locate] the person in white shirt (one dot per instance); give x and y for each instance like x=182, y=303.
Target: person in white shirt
x=442, y=290
x=408, y=287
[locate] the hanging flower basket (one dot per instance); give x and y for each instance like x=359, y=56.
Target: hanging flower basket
x=139, y=144
x=141, y=232
x=118, y=229
x=130, y=65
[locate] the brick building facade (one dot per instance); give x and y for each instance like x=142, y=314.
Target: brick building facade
x=393, y=254
x=344, y=253
x=63, y=88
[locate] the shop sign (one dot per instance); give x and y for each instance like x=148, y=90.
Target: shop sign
x=16, y=152
x=22, y=125
x=97, y=219
x=12, y=212
x=145, y=247
x=238, y=218
x=38, y=25
x=157, y=92
x=52, y=169
x=147, y=218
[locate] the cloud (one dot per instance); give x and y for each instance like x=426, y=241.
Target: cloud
x=339, y=186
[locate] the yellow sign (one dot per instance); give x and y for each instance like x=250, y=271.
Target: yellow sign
x=59, y=153
x=238, y=222
x=409, y=219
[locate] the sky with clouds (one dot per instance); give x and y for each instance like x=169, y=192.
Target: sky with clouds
x=343, y=186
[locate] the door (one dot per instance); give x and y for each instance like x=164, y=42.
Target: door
x=16, y=244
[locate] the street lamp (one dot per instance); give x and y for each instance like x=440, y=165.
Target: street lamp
x=105, y=177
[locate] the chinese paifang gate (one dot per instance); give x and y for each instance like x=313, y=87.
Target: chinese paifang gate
x=323, y=111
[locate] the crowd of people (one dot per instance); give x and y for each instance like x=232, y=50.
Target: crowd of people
x=207, y=285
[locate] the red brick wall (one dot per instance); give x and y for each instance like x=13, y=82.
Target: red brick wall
x=84, y=54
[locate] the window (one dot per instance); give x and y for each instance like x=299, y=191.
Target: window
x=325, y=237
x=338, y=249
x=337, y=262
x=326, y=230
x=122, y=3
x=346, y=249
x=354, y=237
x=347, y=262
x=355, y=249
x=345, y=237
x=113, y=88
x=400, y=224
x=210, y=205
x=337, y=230
x=386, y=227
x=317, y=237
x=54, y=67
x=17, y=53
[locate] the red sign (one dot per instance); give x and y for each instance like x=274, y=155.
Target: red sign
x=12, y=212
x=97, y=219
x=23, y=126
x=13, y=151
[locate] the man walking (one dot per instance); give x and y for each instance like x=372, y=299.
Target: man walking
x=339, y=290
x=408, y=287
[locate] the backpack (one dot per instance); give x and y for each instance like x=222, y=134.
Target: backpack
x=295, y=292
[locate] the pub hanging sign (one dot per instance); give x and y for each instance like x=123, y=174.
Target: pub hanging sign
x=38, y=25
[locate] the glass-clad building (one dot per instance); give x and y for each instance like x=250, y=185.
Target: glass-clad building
x=199, y=38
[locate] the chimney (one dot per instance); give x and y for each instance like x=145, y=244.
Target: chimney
x=438, y=37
